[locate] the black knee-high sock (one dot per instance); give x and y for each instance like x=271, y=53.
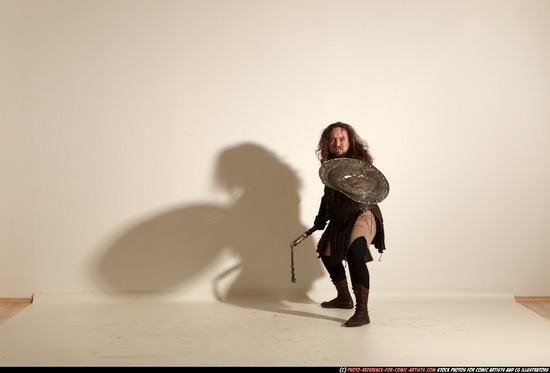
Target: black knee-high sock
x=358, y=270
x=336, y=272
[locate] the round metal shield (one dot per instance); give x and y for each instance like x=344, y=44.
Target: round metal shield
x=360, y=181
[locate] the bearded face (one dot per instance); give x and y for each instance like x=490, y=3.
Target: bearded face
x=338, y=143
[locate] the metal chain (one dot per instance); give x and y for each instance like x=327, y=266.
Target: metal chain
x=294, y=243
x=292, y=263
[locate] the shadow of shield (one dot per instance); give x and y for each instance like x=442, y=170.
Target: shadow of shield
x=164, y=251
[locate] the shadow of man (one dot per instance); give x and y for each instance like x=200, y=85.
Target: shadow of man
x=256, y=226
x=263, y=219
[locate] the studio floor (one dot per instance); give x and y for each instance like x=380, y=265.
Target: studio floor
x=257, y=331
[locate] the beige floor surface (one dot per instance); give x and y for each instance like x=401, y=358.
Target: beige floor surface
x=424, y=332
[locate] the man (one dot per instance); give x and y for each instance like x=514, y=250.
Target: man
x=352, y=228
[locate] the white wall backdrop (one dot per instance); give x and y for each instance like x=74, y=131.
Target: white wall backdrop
x=169, y=145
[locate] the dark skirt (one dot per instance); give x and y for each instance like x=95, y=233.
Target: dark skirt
x=338, y=233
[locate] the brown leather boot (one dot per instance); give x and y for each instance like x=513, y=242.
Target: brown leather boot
x=343, y=298
x=361, y=316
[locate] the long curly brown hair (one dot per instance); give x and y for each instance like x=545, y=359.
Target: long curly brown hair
x=358, y=148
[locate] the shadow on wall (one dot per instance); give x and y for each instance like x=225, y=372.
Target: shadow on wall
x=171, y=248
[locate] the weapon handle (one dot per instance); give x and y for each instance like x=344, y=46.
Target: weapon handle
x=305, y=235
